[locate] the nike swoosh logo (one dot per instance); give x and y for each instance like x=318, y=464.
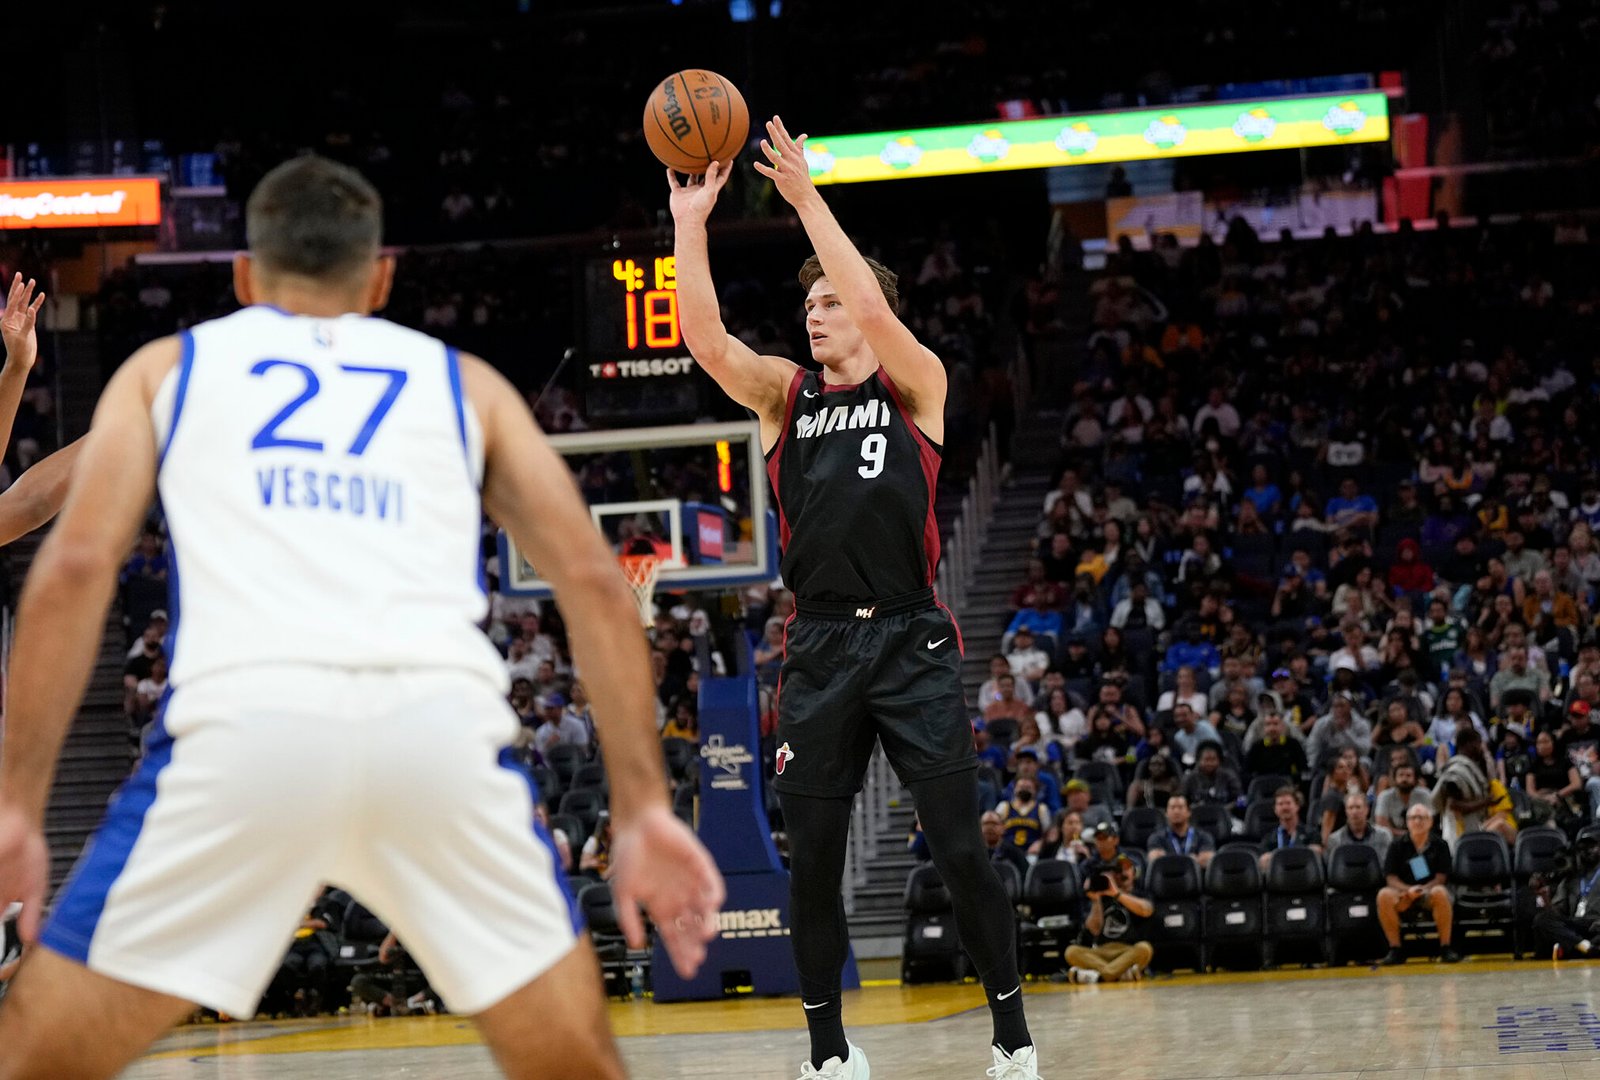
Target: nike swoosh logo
x=1002, y=997
x=809, y=393
x=936, y=644
x=818, y=1005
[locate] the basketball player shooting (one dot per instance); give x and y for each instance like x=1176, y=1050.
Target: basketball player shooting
x=870, y=655
x=335, y=714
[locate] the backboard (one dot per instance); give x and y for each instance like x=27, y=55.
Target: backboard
x=695, y=495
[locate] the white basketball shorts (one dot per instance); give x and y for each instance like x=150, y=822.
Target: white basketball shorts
x=260, y=785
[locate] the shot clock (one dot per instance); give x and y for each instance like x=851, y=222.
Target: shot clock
x=639, y=371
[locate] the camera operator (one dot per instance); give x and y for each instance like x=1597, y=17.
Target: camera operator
x=1569, y=914
x=1116, y=922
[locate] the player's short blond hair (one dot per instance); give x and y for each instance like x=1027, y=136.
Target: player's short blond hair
x=888, y=280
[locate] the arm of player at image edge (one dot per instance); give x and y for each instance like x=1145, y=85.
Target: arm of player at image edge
x=62, y=613
x=38, y=493
x=759, y=383
x=659, y=864
x=916, y=371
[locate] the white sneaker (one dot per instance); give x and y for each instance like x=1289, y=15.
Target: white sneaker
x=1022, y=1065
x=852, y=1068
x=1082, y=975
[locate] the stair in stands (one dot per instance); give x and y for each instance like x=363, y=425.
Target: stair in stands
x=96, y=753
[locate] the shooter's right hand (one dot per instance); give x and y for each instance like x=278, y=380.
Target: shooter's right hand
x=694, y=201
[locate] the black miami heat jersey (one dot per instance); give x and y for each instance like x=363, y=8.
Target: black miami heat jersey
x=855, y=481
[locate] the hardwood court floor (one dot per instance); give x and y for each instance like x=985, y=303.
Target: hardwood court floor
x=1481, y=1020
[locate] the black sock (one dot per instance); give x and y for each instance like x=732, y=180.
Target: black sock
x=825, y=1020
x=1010, y=1025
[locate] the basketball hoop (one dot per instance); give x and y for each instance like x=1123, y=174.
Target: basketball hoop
x=641, y=572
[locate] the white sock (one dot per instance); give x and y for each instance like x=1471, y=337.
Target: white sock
x=1584, y=946
x=1088, y=975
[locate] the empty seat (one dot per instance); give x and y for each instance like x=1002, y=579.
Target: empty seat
x=1536, y=852
x=932, y=948
x=1213, y=819
x=1177, y=922
x=1233, y=908
x=585, y=806
x=677, y=753
x=1485, y=901
x=1052, y=909
x=600, y=915
x=1259, y=819
x=1295, y=906
x=1138, y=824
x=590, y=776
x=1355, y=874
x=566, y=759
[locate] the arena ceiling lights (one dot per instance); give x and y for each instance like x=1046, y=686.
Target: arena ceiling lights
x=1101, y=138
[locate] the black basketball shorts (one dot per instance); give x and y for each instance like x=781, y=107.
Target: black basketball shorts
x=854, y=675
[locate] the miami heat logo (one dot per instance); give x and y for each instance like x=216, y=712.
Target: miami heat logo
x=783, y=756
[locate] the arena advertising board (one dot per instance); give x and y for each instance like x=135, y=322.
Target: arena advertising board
x=71, y=202
x=1101, y=138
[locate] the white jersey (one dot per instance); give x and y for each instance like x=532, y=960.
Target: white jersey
x=320, y=480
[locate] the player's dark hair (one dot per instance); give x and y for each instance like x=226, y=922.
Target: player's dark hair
x=314, y=218
x=888, y=280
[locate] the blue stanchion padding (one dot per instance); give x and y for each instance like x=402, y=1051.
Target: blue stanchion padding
x=752, y=947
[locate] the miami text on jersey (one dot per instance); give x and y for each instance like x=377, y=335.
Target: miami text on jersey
x=874, y=414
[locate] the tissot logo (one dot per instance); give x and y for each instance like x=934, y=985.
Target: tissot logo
x=874, y=414
x=639, y=369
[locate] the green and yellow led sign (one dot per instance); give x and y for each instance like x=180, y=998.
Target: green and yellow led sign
x=1101, y=138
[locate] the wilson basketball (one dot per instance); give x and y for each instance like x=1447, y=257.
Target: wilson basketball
x=693, y=118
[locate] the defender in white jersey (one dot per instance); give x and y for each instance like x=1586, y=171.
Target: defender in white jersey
x=322, y=473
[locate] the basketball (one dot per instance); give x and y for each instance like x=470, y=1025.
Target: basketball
x=695, y=117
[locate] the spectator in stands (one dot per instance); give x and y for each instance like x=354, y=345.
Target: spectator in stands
x=1140, y=610
x=1276, y=753
x=1179, y=837
x=1410, y=575
x=595, y=859
x=1007, y=705
x=1263, y=493
x=1117, y=919
x=1341, y=727
x=1344, y=777
x=1210, y=782
x=1065, y=840
x=1125, y=719
x=1355, y=653
x=1516, y=673
x=1185, y=689
x=150, y=690
x=1217, y=408
x=1157, y=776
x=989, y=692
x=1402, y=793
x=556, y=728
x=1469, y=795
x=1351, y=509
x=1235, y=676
x=1358, y=828
x=1189, y=732
x=1079, y=795
x=1061, y=720
x=1521, y=562
x=683, y=720
x=1026, y=763
x=997, y=840
x=1443, y=634
x=1546, y=610
x=768, y=654
x=524, y=703
x=1553, y=779
x=1026, y=659
x=138, y=669
x=1037, y=592
x=1579, y=743
x=1568, y=920
x=1417, y=869
x=1023, y=817
x=1290, y=831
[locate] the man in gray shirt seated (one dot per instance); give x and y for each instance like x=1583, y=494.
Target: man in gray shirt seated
x=1358, y=828
x=1341, y=727
x=1401, y=794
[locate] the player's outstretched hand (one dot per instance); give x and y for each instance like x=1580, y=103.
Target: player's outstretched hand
x=16, y=325
x=659, y=864
x=24, y=865
x=786, y=163
x=693, y=202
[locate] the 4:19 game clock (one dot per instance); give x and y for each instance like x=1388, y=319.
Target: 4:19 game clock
x=633, y=345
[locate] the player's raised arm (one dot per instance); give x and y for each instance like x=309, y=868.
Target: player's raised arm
x=916, y=371
x=63, y=608
x=22, y=349
x=528, y=490
x=759, y=383
x=37, y=494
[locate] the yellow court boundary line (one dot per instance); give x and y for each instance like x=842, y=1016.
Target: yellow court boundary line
x=879, y=1002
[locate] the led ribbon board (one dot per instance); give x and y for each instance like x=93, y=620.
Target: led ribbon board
x=1101, y=138
x=71, y=203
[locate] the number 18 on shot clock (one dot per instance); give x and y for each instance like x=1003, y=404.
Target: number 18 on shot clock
x=638, y=368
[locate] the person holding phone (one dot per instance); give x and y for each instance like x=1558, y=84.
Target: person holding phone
x=1417, y=869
